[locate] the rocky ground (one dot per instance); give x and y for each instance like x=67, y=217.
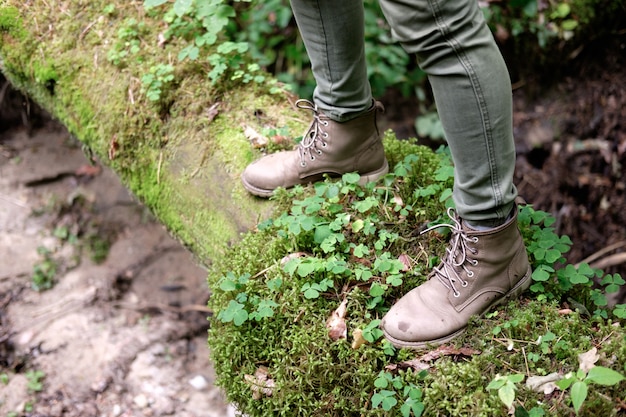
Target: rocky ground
x=122, y=334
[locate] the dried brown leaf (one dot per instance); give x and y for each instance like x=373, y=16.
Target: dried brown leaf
x=294, y=255
x=422, y=362
x=256, y=139
x=545, y=384
x=357, y=339
x=406, y=262
x=588, y=359
x=336, y=323
x=260, y=383
x=213, y=111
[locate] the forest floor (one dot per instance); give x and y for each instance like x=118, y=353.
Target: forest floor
x=125, y=334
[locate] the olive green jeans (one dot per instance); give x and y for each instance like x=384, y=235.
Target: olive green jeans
x=469, y=78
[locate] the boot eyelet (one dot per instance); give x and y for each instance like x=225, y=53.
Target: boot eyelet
x=312, y=158
x=324, y=144
x=325, y=122
x=475, y=239
x=318, y=151
x=473, y=261
x=302, y=164
x=456, y=294
x=464, y=284
x=470, y=274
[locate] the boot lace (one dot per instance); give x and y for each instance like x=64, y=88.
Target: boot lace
x=458, y=256
x=314, y=137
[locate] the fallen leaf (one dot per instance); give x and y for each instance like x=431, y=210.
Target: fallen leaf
x=406, y=262
x=545, y=384
x=336, y=323
x=212, y=112
x=445, y=350
x=256, y=139
x=588, y=359
x=422, y=362
x=357, y=339
x=294, y=255
x=260, y=383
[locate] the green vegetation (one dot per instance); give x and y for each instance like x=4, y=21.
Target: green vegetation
x=336, y=254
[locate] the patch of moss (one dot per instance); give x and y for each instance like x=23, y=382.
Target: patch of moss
x=312, y=375
x=10, y=22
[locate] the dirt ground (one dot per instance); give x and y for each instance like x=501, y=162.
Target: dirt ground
x=126, y=335
x=123, y=337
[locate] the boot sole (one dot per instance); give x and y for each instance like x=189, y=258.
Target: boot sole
x=514, y=292
x=365, y=178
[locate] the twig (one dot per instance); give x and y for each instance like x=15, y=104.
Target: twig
x=599, y=254
x=525, y=361
x=159, y=167
x=84, y=32
x=611, y=260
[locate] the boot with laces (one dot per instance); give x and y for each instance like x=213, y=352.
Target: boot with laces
x=480, y=270
x=327, y=147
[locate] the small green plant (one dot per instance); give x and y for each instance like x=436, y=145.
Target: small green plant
x=4, y=378
x=157, y=80
x=505, y=385
x=44, y=271
x=35, y=380
x=128, y=41
x=578, y=383
x=390, y=388
x=201, y=25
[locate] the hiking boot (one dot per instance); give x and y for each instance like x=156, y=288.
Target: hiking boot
x=327, y=147
x=481, y=269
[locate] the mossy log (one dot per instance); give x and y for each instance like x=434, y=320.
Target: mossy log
x=181, y=155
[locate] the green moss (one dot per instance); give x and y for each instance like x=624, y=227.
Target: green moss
x=10, y=22
x=315, y=376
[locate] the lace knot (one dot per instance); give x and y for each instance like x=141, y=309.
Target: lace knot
x=456, y=259
x=314, y=135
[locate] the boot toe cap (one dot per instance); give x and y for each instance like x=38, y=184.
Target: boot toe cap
x=413, y=322
x=265, y=175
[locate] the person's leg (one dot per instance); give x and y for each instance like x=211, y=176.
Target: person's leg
x=472, y=92
x=473, y=96
x=343, y=136
x=333, y=34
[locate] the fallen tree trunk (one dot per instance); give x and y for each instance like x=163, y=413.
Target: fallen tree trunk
x=182, y=154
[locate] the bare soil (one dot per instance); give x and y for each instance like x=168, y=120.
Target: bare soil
x=123, y=337
x=127, y=336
